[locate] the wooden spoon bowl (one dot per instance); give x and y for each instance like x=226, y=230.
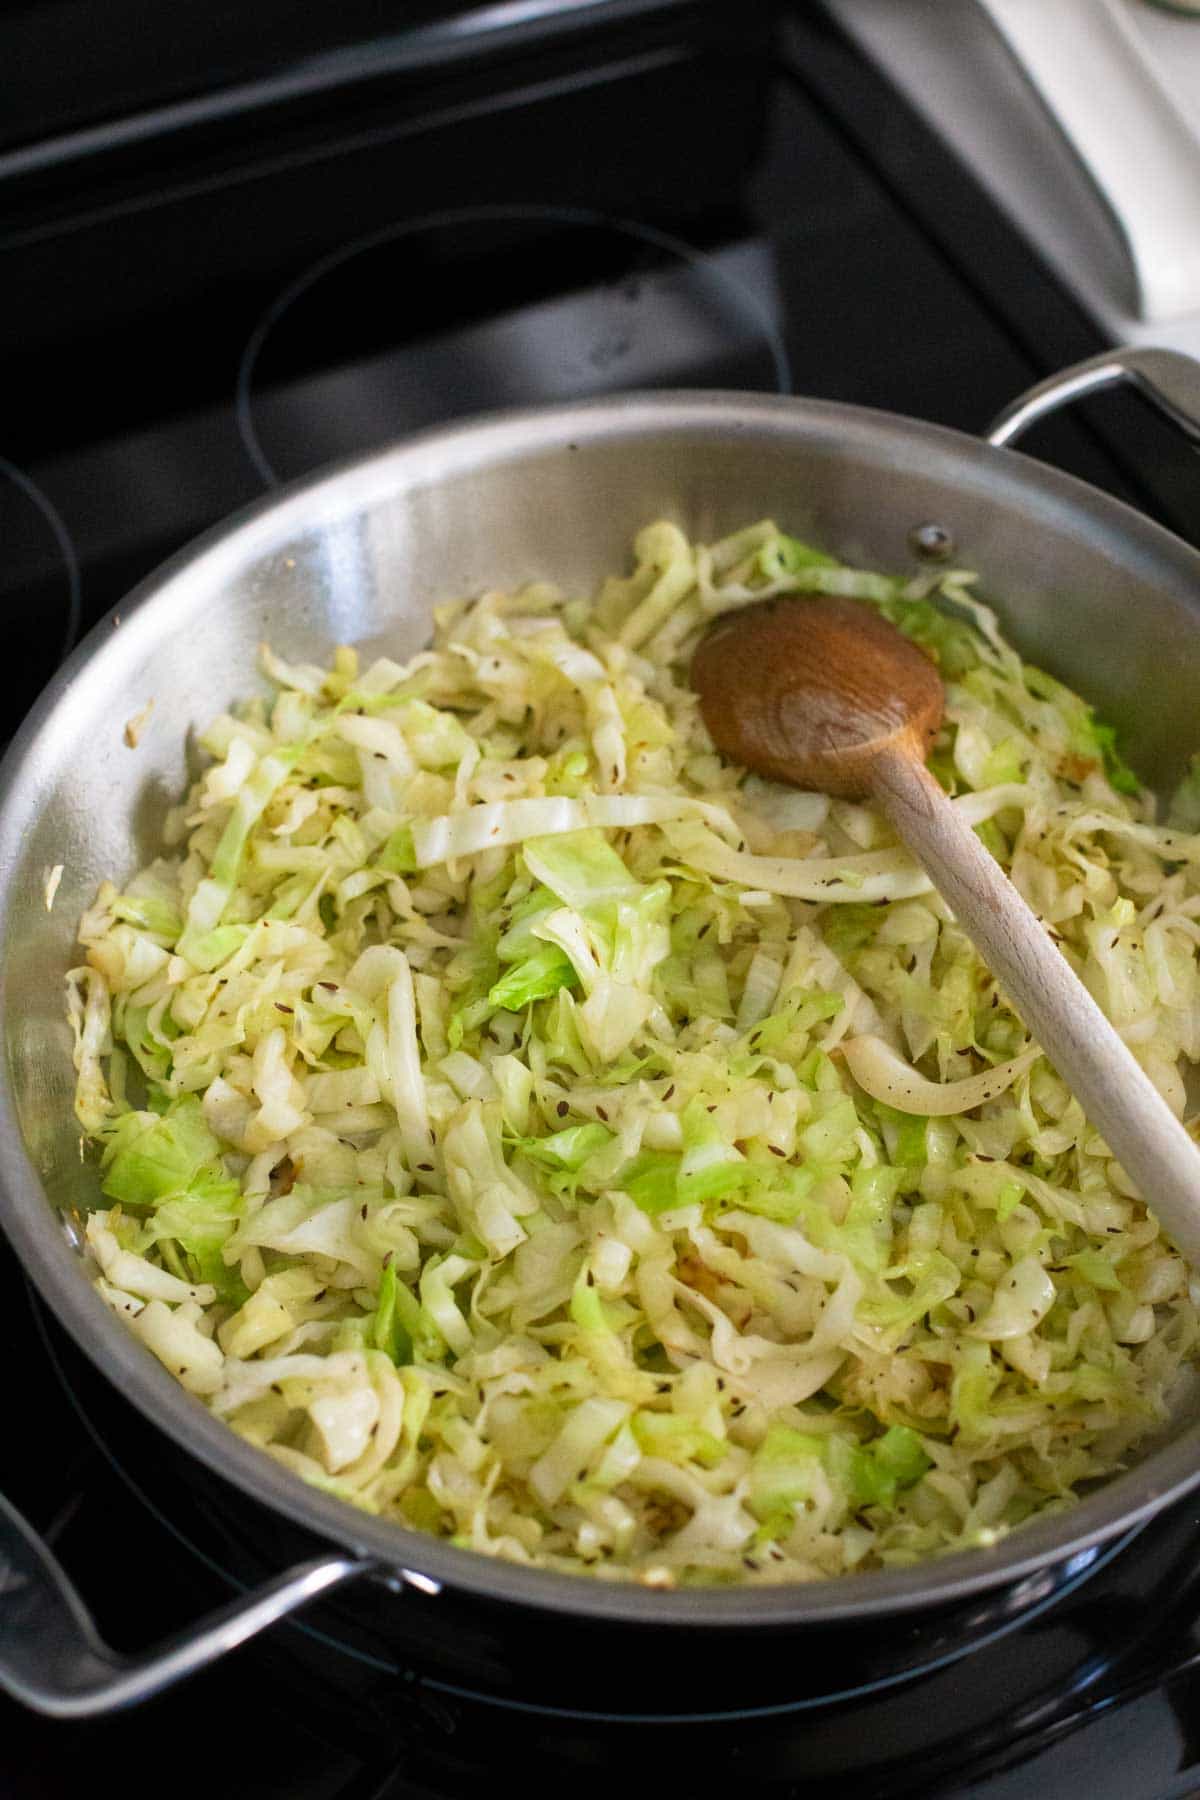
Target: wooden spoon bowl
x=832, y=685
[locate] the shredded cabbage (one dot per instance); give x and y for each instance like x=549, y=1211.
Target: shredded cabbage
x=519, y=1121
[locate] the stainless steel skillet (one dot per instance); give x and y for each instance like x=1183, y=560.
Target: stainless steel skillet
x=1086, y=586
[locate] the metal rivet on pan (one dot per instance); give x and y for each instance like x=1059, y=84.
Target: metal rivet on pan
x=931, y=542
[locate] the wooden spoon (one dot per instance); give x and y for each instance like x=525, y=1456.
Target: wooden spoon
x=825, y=694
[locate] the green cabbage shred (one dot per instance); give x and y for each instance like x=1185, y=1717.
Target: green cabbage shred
x=475, y=1131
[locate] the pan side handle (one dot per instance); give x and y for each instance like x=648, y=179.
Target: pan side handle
x=1167, y=378
x=53, y=1660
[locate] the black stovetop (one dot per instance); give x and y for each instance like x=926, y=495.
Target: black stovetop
x=297, y=249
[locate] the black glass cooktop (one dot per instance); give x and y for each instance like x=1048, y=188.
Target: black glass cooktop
x=199, y=304
x=245, y=257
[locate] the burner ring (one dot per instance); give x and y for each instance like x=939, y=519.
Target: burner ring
x=52, y=519
x=719, y=300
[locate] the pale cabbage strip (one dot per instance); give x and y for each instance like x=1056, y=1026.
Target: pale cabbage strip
x=518, y=1122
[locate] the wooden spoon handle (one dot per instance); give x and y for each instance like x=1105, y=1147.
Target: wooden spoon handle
x=1114, y=1090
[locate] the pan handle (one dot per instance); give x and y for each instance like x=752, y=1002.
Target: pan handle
x=1167, y=378
x=53, y=1659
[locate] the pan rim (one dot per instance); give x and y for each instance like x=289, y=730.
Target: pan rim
x=335, y=493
